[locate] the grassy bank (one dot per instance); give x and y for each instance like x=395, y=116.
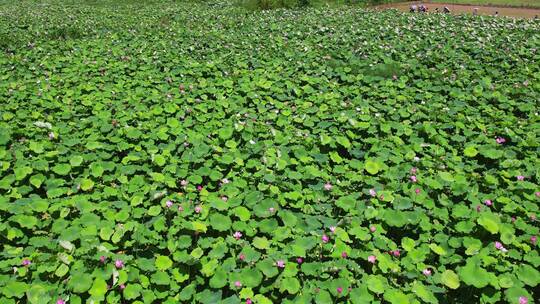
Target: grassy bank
x=510, y=3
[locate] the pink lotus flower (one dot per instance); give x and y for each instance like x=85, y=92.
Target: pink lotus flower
x=344, y=255
x=242, y=256
x=523, y=300
x=396, y=253
x=372, y=259
x=199, y=188
x=238, y=284
x=280, y=263
x=534, y=239
x=488, y=202
x=180, y=208
x=413, y=170
x=325, y=238
x=183, y=183
x=327, y=186
x=478, y=208
x=26, y=262
x=119, y=264
x=122, y=286
x=372, y=228
x=224, y=198
x=372, y=192
x=198, y=209
x=168, y=204
x=513, y=219
x=520, y=177
x=500, y=247
x=537, y=193
x=237, y=235
x=102, y=259
x=332, y=229
x=417, y=191
x=500, y=140
x=413, y=178
x=60, y=301
x=339, y=289
x=426, y=272
x=248, y=301
x=299, y=260
x=271, y=209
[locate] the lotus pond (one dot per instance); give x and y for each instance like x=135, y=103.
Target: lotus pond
x=175, y=152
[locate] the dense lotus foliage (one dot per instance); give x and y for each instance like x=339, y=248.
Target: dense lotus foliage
x=189, y=153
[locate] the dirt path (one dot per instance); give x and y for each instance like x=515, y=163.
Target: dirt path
x=467, y=9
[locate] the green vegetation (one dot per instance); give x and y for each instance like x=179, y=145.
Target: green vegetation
x=290, y=4
x=201, y=153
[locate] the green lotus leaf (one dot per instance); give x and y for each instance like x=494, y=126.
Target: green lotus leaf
x=61, y=169
x=490, y=222
x=163, y=262
x=132, y=291
x=372, y=166
x=450, y=279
